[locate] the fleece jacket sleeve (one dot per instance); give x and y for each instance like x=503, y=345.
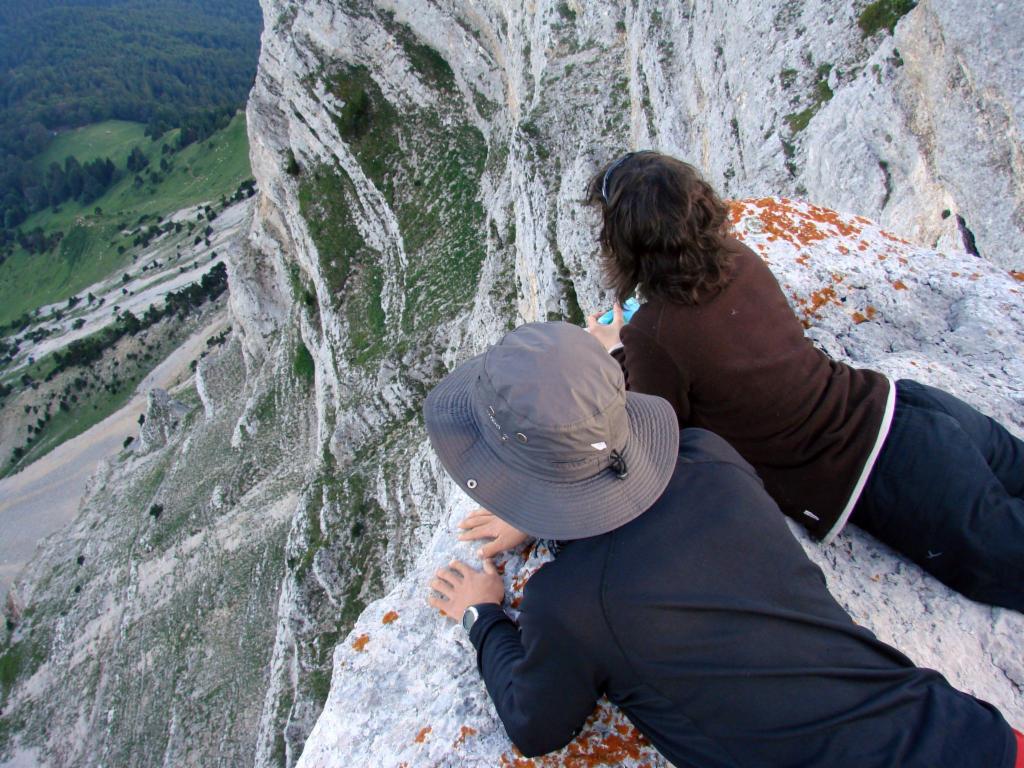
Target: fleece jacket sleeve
x=542, y=686
x=650, y=370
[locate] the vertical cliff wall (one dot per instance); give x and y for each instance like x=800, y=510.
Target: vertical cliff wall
x=421, y=166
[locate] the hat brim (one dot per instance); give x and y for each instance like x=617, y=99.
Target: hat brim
x=542, y=507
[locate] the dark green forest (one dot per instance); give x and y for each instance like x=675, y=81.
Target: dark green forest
x=185, y=64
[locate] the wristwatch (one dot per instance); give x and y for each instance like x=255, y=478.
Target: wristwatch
x=469, y=617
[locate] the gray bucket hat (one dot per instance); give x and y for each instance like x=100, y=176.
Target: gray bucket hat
x=541, y=431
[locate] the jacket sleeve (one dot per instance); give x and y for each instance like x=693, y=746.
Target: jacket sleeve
x=650, y=370
x=540, y=680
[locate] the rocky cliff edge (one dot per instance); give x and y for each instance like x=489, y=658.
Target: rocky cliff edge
x=405, y=689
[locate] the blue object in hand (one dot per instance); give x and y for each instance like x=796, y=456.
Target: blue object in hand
x=628, y=309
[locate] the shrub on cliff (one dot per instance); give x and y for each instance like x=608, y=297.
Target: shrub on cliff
x=883, y=14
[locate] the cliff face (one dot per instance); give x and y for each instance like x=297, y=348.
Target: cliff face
x=420, y=168
x=140, y=634
x=406, y=690
x=929, y=139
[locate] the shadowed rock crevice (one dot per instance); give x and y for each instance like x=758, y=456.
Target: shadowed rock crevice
x=967, y=236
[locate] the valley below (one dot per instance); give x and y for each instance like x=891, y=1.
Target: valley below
x=44, y=497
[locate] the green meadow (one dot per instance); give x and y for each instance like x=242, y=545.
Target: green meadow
x=98, y=237
x=113, y=139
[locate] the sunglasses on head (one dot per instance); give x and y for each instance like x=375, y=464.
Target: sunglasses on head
x=614, y=166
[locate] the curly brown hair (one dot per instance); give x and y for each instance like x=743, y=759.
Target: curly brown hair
x=664, y=229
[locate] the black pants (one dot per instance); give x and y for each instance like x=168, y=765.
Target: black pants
x=947, y=490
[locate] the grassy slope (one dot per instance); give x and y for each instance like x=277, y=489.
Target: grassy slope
x=113, y=139
x=201, y=172
x=95, y=403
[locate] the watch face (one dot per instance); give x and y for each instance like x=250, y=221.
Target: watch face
x=469, y=618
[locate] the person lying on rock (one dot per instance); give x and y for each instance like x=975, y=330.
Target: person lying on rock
x=677, y=589
x=914, y=466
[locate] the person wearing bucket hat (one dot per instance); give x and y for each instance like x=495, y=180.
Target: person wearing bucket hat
x=524, y=434
x=677, y=589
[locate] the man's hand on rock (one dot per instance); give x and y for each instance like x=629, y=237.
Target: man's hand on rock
x=459, y=586
x=481, y=524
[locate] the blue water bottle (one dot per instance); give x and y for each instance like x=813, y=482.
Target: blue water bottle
x=628, y=310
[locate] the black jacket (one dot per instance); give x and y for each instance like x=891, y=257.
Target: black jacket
x=706, y=623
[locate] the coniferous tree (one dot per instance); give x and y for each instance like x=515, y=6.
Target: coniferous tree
x=137, y=160
x=74, y=176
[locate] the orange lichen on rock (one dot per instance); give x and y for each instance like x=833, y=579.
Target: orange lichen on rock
x=1018, y=276
x=603, y=742
x=422, y=735
x=516, y=760
x=899, y=285
x=817, y=300
x=833, y=219
x=890, y=236
x=736, y=211
x=868, y=314
x=519, y=582
x=390, y=617
x=464, y=733
x=782, y=220
x=822, y=297
x=612, y=749
x=360, y=642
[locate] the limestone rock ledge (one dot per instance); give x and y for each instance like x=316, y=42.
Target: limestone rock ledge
x=163, y=416
x=405, y=689
x=420, y=167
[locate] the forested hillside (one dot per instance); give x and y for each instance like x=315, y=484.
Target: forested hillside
x=184, y=64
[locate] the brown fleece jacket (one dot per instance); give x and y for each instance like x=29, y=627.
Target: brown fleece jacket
x=738, y=364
